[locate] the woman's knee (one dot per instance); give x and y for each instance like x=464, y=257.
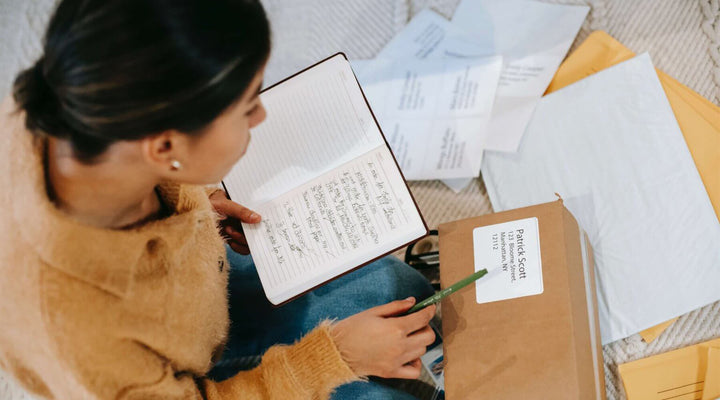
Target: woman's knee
x=401, y=280
x=239, y=262
x=380, y=282
x=369, y=391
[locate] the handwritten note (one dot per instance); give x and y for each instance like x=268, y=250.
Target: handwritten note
x=323, y=179
x=331, y=222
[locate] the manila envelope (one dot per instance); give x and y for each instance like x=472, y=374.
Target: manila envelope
x=698, y=118
x=711, y=390
x=690, y=373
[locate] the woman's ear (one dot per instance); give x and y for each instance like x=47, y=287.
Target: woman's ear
x=165, y=152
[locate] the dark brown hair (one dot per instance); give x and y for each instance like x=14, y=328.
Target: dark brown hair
x=115, y=70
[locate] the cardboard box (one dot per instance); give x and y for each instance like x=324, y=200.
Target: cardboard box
x=544, y=345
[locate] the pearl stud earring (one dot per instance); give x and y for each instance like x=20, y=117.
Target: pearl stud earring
x=175, y=165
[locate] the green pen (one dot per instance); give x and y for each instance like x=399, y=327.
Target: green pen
x=448, y=291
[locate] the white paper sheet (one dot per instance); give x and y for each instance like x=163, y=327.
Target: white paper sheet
x=433, y=112
x=533, y=38
x=430, y=35
x=611, y=147
x=457, y=185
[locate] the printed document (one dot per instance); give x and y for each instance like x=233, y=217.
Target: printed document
x=533, y=38
x=433, y=112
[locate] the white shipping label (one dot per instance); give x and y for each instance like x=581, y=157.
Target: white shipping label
x=511, y=253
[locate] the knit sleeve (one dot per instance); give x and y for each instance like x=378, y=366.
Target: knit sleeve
x=210, y=189
x=309, y=369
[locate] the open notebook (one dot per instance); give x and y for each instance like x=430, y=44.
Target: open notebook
x=322, y=176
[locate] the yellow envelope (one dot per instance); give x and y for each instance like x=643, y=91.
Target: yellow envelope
x=652, y=333
x=678, y=375
x=698, y=118
x=711, y=391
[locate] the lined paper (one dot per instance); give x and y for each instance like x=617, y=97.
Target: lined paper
x=331, y=224
x=323, y=122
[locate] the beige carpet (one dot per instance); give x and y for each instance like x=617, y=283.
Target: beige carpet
x=682, y=36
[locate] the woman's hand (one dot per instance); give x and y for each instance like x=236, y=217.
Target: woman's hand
x=382, y=342
x=233, y=214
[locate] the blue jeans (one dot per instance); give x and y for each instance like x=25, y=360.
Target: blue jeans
x=255, y=324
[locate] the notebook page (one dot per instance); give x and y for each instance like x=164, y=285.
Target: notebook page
x=316, y=121
x=332, y=224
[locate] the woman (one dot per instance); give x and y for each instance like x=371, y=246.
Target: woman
x=113, y=273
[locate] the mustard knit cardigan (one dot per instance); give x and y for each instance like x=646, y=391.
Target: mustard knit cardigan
x=89, y=313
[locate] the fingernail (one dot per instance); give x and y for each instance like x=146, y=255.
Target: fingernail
x=254, y=216
x=410, y=299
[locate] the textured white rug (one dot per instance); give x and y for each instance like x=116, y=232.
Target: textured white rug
x=682, y=36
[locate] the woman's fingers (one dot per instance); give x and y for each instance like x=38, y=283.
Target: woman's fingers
x=238, y=248
x=417, y=320
x=393, y=308
x=413, y=354
x=232, y=209
x=380, y=342
x=236, y=236
x=422, y=338
x=416, y=362
x=417, y=344
x=410, y=370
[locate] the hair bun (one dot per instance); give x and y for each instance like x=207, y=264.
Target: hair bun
x=34, y=95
